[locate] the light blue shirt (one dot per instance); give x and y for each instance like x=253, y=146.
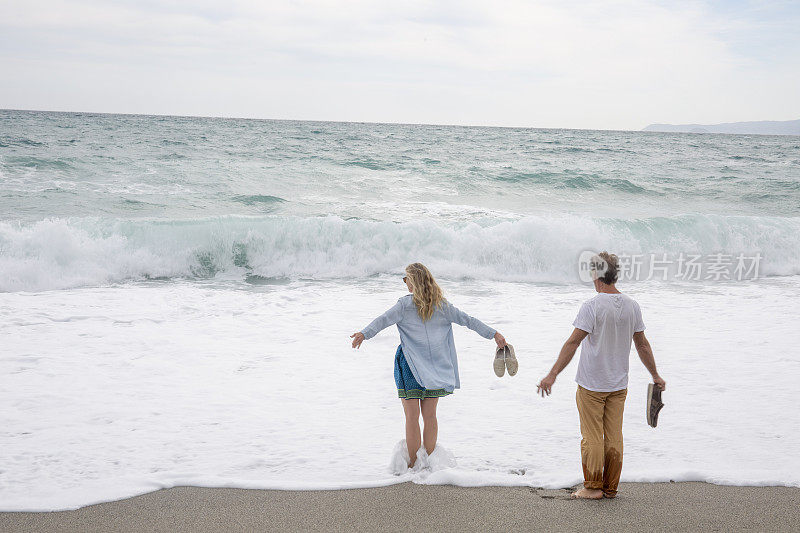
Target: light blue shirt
x=428, y=346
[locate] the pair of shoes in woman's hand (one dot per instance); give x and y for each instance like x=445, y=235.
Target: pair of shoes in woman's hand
x=505, y=359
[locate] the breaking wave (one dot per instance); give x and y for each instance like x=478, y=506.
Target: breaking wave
x=64, y=253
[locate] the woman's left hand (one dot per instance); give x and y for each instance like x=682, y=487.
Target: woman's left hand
x=358, y=338
x=499, y=339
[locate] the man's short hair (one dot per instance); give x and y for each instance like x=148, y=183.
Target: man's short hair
x=606, y=267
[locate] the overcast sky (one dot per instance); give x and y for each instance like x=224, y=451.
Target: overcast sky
x=595, y=64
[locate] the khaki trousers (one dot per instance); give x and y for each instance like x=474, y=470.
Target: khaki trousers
x=601, y=446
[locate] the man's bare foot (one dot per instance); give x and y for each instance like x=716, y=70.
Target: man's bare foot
x=588, y=494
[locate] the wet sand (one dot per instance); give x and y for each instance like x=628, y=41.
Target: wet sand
x=409, y=507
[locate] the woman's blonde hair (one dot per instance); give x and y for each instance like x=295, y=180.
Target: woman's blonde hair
x=427, y=294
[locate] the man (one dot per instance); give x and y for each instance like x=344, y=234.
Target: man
x=604, y=328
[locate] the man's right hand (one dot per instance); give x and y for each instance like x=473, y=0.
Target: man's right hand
x=546, y=385
x=659, y=382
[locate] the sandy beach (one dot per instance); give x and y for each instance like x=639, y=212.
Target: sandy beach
x=640, y=507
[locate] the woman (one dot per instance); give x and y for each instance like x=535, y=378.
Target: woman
x=425, y=365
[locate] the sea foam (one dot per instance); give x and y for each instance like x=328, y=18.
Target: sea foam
x=116, y=391
x=440, y=459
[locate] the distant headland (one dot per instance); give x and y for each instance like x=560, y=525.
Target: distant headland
x=762, y=127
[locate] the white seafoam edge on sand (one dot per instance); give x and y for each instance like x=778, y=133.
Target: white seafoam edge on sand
x=111, y=392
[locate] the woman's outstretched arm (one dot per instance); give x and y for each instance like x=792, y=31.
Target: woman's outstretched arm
x=461, y=318
x=390, y=317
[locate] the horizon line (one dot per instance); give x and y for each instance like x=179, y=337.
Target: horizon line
x=388, y=123
x=642, y=130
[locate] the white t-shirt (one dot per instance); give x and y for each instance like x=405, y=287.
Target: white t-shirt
x=610, y=321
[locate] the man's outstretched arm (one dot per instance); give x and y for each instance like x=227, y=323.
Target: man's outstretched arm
x=566, y=355
x=646, y=355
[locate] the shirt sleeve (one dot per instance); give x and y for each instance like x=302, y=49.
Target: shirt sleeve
x=585, y=319
x=390, y=317
x=637, y=318
x=457, y=316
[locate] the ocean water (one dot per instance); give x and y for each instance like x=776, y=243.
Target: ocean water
x=177, y=295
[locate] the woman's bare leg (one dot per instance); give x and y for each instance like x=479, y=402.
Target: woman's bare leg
x=431, y=431
x=411, y=409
